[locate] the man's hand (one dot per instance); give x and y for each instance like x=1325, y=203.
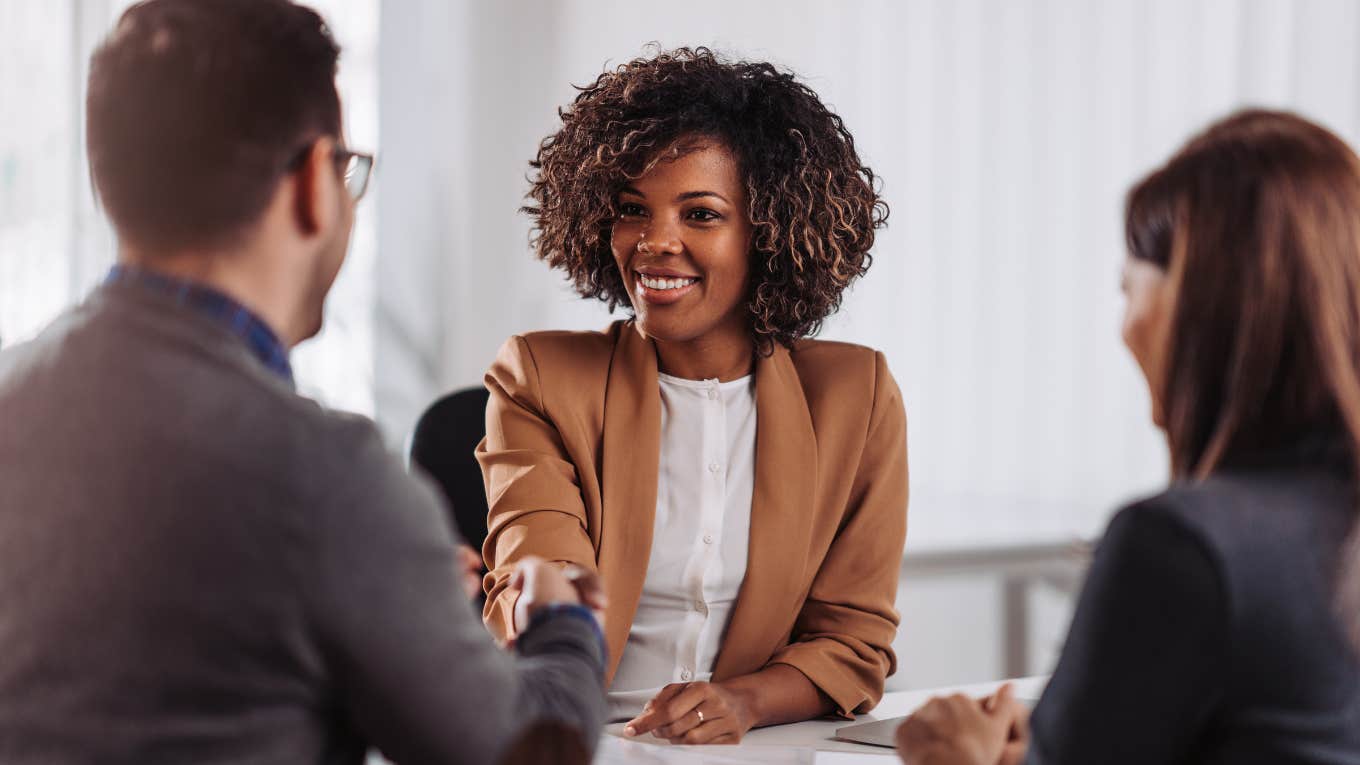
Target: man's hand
x=959, y=730
x=694, y=713
x=542, y=584
x=589, y=588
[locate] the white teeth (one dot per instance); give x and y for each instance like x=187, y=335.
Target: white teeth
x=655, y=283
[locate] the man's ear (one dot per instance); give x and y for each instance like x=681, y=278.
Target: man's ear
x=315, y=184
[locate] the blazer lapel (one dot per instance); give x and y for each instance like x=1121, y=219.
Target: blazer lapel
x=631, y=456
x=781, y=518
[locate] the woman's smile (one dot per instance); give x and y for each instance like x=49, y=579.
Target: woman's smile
x=662, y=287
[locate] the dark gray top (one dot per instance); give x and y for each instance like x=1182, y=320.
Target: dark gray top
x=199, y=565
x=1207, y=633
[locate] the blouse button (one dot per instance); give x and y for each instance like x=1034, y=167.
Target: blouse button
x=708, y=539
x=686, y=675
x=714, y=467
x=712, y=394
x=699, y=606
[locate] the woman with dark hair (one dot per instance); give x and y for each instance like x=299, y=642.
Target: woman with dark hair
x=1208, y=628
x=741, y=488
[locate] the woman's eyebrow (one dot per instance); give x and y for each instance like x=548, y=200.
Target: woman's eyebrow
x=697, y=194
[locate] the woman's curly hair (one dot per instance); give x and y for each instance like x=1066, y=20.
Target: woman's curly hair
x=814, y=206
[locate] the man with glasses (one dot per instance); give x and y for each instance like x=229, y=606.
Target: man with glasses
x=197, y=564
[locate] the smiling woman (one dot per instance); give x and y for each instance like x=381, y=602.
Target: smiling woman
x=681, y=244
x=741, y=488
x=810, y=201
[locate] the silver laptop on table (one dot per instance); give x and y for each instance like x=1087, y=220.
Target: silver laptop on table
x=881, y=732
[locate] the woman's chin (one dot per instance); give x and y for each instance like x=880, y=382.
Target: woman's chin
x=664, y=331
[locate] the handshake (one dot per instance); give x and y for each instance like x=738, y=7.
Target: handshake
x=540, y=584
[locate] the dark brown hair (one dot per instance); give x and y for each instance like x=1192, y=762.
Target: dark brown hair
x=1257, y=223
x=813, y=204
x=195, y=109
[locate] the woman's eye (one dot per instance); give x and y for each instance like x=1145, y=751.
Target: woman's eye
x=703, y=214
x=630, y=209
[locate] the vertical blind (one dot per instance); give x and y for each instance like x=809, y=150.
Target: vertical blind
x=1006, y=133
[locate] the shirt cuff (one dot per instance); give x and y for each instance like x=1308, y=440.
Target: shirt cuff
x=556, y=611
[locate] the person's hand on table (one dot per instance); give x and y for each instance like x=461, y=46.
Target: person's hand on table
x=694, y=713
x=959, y=730
x=542, y=584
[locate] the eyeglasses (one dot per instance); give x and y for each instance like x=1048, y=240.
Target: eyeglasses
x=356, y=170
x=356, y=167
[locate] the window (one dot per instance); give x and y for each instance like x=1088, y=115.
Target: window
x=54, y=244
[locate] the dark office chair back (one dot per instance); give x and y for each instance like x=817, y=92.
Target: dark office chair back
x=444, y=445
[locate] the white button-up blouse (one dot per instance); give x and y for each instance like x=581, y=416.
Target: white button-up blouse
x=699, y=539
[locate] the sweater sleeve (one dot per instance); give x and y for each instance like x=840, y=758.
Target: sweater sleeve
x=413, y=667
x=1140, y=675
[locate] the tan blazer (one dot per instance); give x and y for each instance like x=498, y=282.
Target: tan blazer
x=570, y=462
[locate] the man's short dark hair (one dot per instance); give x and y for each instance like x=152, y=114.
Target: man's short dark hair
x=196, y=109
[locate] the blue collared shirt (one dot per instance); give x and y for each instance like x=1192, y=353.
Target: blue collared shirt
x=236, y=318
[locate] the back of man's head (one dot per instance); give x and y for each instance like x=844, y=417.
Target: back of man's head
x=197, y=108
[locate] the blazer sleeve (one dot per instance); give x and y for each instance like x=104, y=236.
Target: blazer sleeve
x=533, y=493
x=842, y=638
x=408, y=662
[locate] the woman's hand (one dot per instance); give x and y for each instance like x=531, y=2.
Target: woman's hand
x=959, y=730
x=774, y=695
x=694, y=713
x=470, y=571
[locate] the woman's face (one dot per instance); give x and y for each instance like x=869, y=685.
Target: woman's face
x=1147, y=316
x=682, y=242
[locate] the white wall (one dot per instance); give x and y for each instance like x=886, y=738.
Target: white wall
x=1006, y=132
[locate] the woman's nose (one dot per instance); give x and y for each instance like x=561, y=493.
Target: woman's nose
x=661, y=240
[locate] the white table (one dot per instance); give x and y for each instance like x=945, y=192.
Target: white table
x=820, y=735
